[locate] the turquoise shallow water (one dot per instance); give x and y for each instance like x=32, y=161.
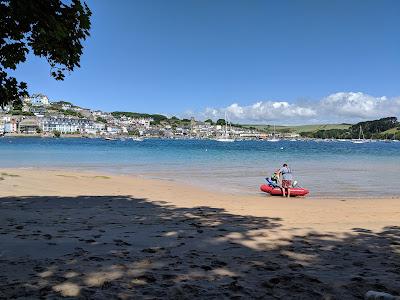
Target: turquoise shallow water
x=326, y=168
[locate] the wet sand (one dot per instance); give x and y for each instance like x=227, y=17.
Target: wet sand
x=100, y=236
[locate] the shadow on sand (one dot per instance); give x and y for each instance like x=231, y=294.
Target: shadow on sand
x=118, y=247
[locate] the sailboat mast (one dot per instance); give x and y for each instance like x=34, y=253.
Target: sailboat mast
x=226, y=126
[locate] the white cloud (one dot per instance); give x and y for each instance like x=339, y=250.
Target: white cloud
x=261, y=111
x=338, y=107
x=356, y=105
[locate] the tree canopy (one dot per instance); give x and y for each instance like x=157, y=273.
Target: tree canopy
x=220, y=122
x=156, y=117
x=48, y=28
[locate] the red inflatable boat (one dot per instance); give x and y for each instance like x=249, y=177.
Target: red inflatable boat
x=278, y=192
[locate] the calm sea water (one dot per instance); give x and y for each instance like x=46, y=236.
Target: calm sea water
x=326, y=168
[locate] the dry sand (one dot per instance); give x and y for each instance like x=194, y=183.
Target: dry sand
x=100, y=236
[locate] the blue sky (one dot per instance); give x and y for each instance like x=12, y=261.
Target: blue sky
x=201, y=57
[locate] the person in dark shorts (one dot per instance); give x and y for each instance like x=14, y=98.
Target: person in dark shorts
x=287, y=178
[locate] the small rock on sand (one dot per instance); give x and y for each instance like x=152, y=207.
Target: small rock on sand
x=373, y=295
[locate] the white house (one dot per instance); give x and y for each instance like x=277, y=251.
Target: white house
x=90, y=128
x=10, y=124
x=145, y=122
x=66, y=106
x=1, y=126
x=113, y=130
x=39, y=99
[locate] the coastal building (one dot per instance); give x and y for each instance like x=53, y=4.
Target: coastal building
x=101, y=114
x=292, y=135
x=93, y=128
x=39, y=99
x=28, y=126
x=144, y=122
x=100, y=127
x=26, y=107
x=113, y=130
x=64, y=124
x=5, y=109
x=26, y=100
x=66, y=106
x=1, y=126
x=10, y=124
x=38, y=111
x=249, y=135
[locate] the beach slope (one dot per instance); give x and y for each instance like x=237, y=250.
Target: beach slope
x=86, y=235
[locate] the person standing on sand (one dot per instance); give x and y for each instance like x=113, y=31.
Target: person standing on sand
x=287, y=178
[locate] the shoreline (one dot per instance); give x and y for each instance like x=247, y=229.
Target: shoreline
x=197, y=185
x=21, y=182
x=238, y=139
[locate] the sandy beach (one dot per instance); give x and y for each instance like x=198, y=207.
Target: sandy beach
x=101, y=236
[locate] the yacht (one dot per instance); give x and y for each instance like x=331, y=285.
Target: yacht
x=360, y=140
x=274, y=138
x=225, y=138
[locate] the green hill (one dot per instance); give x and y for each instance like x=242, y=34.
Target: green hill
x=375, y=129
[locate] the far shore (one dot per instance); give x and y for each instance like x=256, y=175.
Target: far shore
x=84, y=136
x=96, y=235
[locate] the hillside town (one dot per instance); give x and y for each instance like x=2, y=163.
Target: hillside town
x=38, y=116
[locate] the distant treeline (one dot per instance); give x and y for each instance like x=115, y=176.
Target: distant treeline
x=371, y=129
x=157, y=119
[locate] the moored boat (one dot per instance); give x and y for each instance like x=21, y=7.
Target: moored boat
x=137, y=139
x=225, y=138
x=360, y=140
x=274, y=138
x=276, y=191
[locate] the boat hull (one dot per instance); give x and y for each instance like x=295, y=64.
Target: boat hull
x=278, y=191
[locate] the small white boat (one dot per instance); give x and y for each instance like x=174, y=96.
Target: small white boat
x=137, y=139
x=273, y=140
x=225, y=140
x=109, y=139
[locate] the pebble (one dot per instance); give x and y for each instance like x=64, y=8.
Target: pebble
x=373, y=295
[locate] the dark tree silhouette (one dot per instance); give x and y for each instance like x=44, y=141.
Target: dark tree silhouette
x=48, y=28
x=220, y=122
